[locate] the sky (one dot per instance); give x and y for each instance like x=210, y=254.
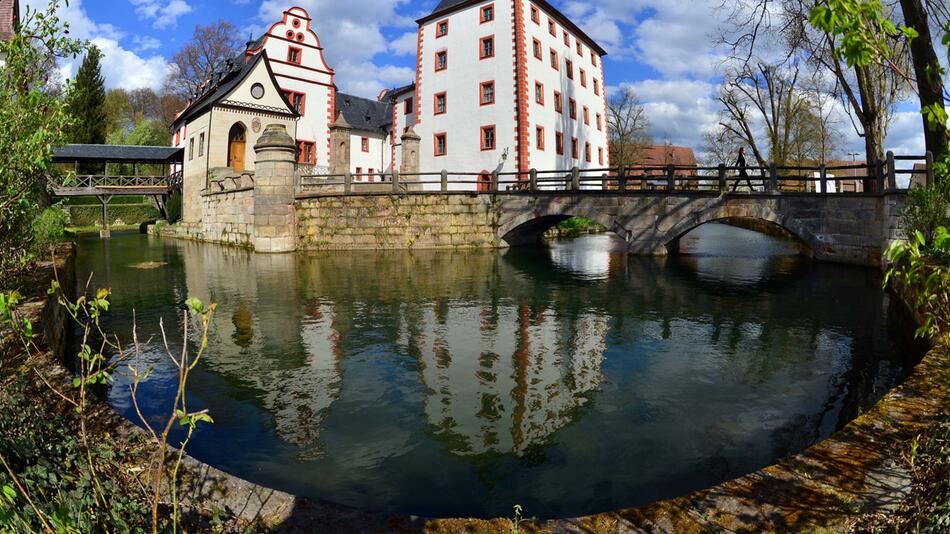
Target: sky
x=661, y=49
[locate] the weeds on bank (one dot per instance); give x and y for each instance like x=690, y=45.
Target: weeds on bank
x=54, y=479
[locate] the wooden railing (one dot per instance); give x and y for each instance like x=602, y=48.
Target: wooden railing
x=87, y=181
x=774, y=179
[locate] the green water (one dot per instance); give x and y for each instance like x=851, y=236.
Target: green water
x=571, y=379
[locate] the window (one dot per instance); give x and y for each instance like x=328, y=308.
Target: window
x=201, y=145
x=539, y=134
x=440, y=103
x=487, y=48
x=535, y=15
x=408, y=106
x=572, y=108
x=441, y=146
x=306, y=153
x=488, y=137
x=293, y=55
x=587, y=152
x=364, y=144
x=570, y=68
x=555, y=64
x=487, y=93
x=539, y=93
x=558, y=102
x=600, y=156
x=552, y=29
x=583, y=78
x=359, y=173
x=574, y=152
x=487, y=13
x=596, y=87
x=580, y=48
x=370, y=174
x=537, y=49
x=559, y=143
x=441, y=60
x=593, y=59
x=177, y=137
x=567, y=39
x=442, y=29
x=600, y=123
x=587, y=115
x=297, y=101
x=191, y=149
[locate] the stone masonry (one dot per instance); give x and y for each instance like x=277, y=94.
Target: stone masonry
x=274, y=218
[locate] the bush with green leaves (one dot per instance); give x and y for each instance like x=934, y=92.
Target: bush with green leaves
x=922, y=268
x=49, y=228
x=927, y=209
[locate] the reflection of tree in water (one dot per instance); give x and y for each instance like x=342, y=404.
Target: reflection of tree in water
x=502, y=378
x=243, y=325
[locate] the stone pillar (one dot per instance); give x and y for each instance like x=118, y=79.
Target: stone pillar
x=275, y=226
x=410, y=157
x=340, y=140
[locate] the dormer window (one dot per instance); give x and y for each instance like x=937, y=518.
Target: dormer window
x=293, y=55
x=487, y=13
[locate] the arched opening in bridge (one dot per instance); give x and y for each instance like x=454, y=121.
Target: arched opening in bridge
x=237, y=141
x=739, y=237
x=534, y=231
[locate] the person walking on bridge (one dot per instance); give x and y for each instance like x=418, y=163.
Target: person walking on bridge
x=743, y=172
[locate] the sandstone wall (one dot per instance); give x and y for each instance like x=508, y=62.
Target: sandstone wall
x=227, y=217
x=396, y=222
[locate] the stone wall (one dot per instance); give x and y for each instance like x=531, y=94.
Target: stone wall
x=227, y=217
x=378, y=222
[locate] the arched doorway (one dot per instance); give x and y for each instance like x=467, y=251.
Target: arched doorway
x=484, y=182
x=237, y=140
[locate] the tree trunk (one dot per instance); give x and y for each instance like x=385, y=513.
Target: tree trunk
x=872, y=119
x=929, y=82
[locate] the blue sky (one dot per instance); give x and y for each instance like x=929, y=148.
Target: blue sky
x=660, y=49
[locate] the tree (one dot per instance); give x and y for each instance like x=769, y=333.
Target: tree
x=720, y=146
x=148, y=132
x=627, y=127
x=32, y=121
x=210, y=47
x=86, y=100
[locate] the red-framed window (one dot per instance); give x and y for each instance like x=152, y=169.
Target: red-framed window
x=580, y=48
x=298, y=101
x=488, y=137
x=440, y=103
x=535, y=15
x=539, y=93
x=593, y=59
x=567, y=38
x=440, y=145
x=359, y=174
x=294, y=55
x=559, y=143
x=583, y=78
x=486, y=93
x=552, y=28
x=569, y=65
x=538, y=51
x=587, y=152
x=408, y=106
x=574, y=152
x=486, y=47
x=486, y=13
x=572, y=108
x=364, y=144
x=539, y=134
x=441, y=60
x=558, y=102
x=600, y=156
x=586, y=115
x=177, y=137
x=596, y=87
x=600, y=122
x=555, y=61
x=371, y=174
x=441, y=28
x=306, y=152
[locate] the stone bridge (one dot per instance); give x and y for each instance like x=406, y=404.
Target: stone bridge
x=846, y=228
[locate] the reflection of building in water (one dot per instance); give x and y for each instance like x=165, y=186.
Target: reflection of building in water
x=291, y=362
x=503, y=379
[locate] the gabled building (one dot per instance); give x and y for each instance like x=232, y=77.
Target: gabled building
x=9, y=20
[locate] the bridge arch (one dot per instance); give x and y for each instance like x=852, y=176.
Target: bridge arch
x=790, y=226
x=528, y=227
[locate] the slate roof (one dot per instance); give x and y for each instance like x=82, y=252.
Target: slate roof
x=364, y=114
x=140, y=154
x=392, y=93
x=9, y=18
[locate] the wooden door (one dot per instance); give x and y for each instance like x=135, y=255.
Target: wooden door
x=236, y=143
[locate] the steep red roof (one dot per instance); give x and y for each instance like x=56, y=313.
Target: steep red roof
x=663, y=155
x=9, y=17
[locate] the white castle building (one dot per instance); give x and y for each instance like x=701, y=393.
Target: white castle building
x=499, y=86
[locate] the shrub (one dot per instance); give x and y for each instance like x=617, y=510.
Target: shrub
x=49, y=228
x=173, y=207
x=926, y=210
x=922, y=269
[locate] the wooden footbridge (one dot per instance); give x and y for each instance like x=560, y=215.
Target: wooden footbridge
x=136, y=171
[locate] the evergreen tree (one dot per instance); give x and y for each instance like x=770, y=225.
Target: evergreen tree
x=86, y=101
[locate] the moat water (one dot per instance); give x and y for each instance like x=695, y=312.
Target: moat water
x=570, y=379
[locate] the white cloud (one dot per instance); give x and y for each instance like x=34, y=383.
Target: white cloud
x=144, y=43
x=406, y=44
x=163, y=15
